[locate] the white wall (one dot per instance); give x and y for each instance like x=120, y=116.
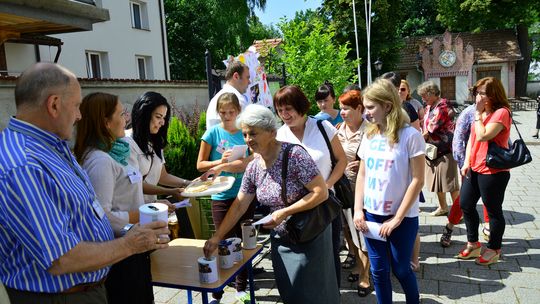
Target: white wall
x=116, y=37
x=19, y=57
x=462, y=88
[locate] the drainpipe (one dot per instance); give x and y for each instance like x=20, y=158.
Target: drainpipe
x=163, y=41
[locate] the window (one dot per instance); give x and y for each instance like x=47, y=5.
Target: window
x=144, y=67
x=493, y=71
x=97, y=64
x=139, y=15
x=141, y=66
x=93, y=65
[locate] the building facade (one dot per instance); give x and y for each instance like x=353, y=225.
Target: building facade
x=455, y=61
x=131, y=45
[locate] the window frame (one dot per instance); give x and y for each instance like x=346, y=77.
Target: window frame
x=90, y=66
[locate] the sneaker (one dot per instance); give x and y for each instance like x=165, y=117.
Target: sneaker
x=243, y=297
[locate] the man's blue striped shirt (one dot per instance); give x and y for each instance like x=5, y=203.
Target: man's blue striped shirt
x=45, y=210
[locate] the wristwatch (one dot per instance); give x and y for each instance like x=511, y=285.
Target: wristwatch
x=126, y=229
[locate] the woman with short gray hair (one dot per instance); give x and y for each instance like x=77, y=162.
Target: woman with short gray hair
x=304, y=272
x=441, y=170
x=259, y=117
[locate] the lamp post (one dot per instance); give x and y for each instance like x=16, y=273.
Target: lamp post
x=378, y=66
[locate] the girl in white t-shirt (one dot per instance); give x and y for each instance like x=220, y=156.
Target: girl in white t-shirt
x=390, y=178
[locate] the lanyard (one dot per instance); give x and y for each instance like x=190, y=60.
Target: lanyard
x=69, y=161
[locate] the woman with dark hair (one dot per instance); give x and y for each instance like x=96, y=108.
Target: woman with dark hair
x=491, y=124
x=150, y=117
x=326, y=98
x=292, y=106
x=103, y=155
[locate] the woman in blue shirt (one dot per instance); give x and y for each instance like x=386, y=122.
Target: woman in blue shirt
x=216, y=145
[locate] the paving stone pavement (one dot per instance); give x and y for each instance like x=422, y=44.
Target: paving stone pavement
x=442, y=278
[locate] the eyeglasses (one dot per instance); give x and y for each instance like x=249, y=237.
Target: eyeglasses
x=403, y=89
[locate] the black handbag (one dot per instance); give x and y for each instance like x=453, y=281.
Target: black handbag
x=303, y=227
x=516, y=155
x=342, y=187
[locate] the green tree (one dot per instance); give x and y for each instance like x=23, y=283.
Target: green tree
x=222, y=27
x=479, y=15
x=385, y=22
x=311, y=56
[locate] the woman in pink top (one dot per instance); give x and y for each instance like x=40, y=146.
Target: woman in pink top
x=491, y=124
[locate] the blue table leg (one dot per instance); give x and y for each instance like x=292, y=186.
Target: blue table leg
x=189, y=297
x=204, y=297
x=251, y=284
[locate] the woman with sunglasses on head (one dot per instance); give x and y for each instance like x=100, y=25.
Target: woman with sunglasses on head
x=150, y=117
x=388, y=185
x=491, y=124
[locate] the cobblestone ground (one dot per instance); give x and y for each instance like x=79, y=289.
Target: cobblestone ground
x=442, y=278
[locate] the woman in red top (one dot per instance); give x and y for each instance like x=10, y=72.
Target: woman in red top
x=491, y=124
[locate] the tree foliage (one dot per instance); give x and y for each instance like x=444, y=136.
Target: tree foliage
x=222, y=27
x=311, y=55
x=480, y=15
x=385, y=41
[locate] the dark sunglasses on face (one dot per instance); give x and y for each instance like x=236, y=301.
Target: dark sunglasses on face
x=403, y=89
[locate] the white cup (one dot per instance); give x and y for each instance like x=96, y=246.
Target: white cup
x=226, y=258
x=249, y=234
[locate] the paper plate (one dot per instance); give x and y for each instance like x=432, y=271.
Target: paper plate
x=220, y=184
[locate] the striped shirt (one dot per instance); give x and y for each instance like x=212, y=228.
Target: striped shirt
x=45, y=210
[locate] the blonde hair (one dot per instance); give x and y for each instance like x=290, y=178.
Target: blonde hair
x=384, y=93
x=406, y=83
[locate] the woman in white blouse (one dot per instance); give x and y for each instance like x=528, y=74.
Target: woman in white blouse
x=150, y=117
x=292, y=106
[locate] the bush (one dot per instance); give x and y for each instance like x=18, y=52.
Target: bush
x=184, y=137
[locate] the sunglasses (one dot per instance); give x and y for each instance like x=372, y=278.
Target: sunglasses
x=403, y=89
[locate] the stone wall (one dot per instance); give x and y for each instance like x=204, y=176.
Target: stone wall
x=183, y=95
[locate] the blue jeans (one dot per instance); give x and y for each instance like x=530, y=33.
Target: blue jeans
x=396, y=251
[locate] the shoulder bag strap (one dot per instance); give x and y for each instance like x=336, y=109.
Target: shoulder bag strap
x=284, y=167
x=323, y=132
x=513, y=122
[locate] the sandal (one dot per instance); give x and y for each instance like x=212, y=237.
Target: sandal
x=486, y=233
x=439, y=212
x=471, y=250
x=353, y=277
x=349, y=262
x=493, y=259
x=415, y=266
x=364, y=291
x=446, y=237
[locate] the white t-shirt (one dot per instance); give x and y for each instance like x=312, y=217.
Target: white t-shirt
x=116, y=192
x=313, y=142
x=212, y=116
x=388, y=172
x=145, y=165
